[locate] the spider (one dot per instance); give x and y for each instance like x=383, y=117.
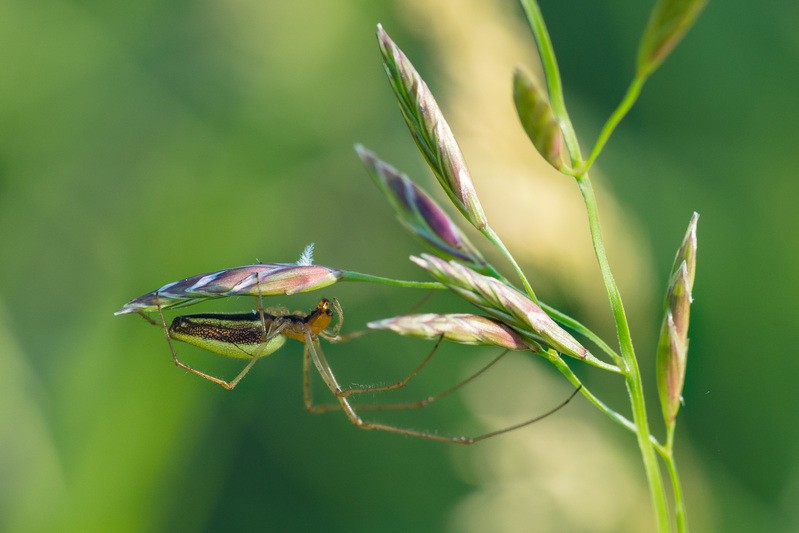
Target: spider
x=261, y=332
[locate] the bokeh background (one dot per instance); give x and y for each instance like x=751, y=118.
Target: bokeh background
x=142, y=142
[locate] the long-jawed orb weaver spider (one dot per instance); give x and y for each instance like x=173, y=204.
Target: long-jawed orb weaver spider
x=261, y=332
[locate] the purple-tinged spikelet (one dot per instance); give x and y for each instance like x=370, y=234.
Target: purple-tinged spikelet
x=266, y=280
x=419, y=212
x=462, y=328
x=672, y=353
x=504, y=303
x=430, y=130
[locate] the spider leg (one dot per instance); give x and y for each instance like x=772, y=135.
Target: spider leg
x=313, y=354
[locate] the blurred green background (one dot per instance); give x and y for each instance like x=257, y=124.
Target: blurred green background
x=143, y=142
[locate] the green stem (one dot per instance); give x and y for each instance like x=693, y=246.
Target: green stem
x=550, y=65
x=629, y=364
x=357, y=276
x=619, y=113
x=564, y=369
x=679, y=501
x=620, y=419
x=573, y=324
x=491, y=235
x=632, y=373
x=671, y=466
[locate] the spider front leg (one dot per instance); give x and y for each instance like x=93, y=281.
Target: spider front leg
x=331, y=334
